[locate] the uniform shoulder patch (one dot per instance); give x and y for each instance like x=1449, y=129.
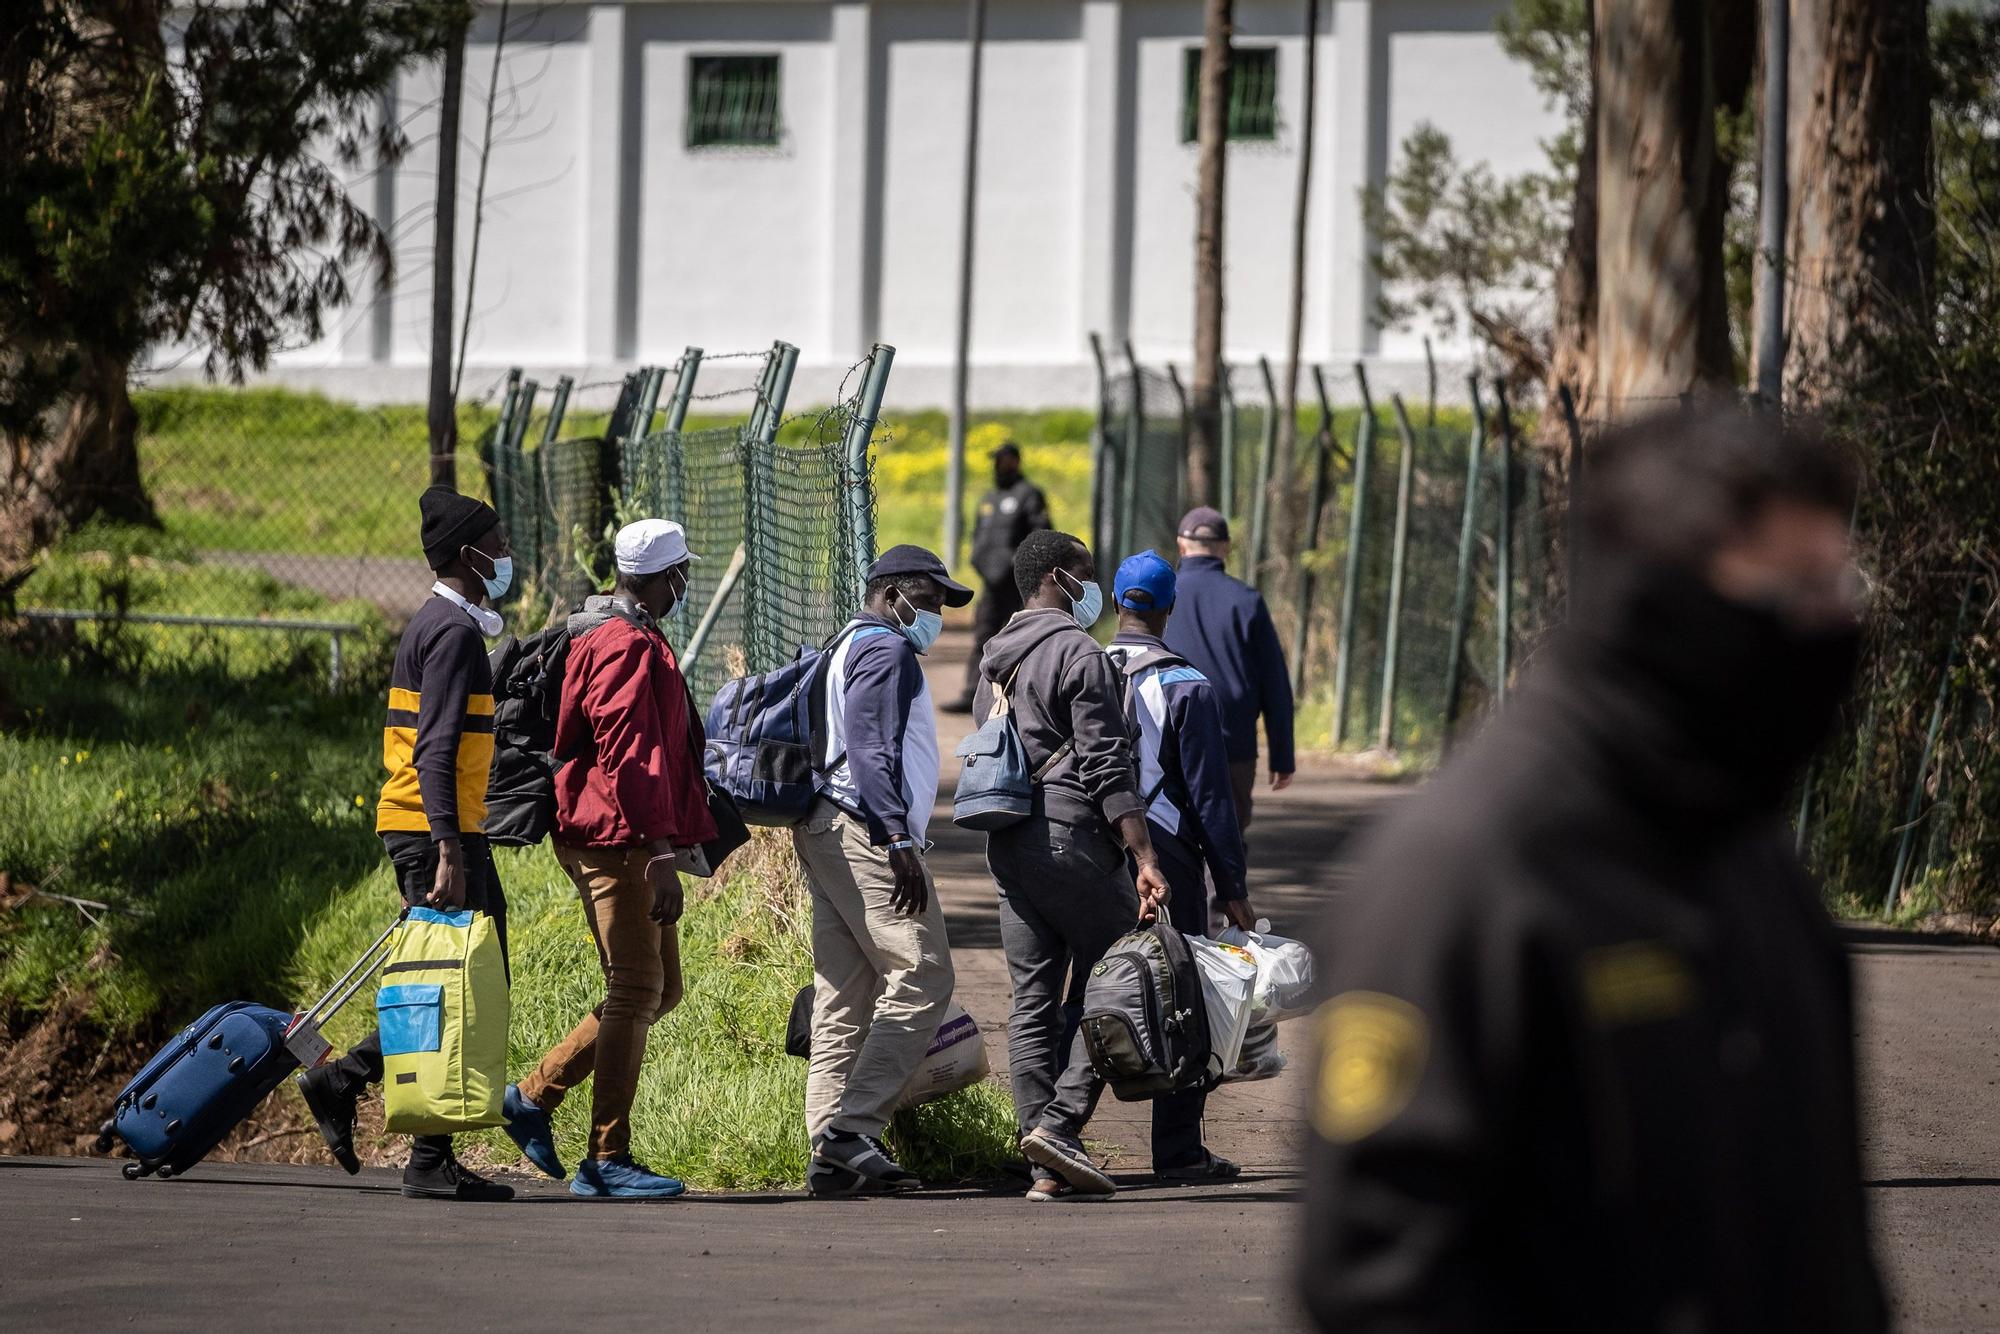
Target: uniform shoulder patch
x=1372, y=1052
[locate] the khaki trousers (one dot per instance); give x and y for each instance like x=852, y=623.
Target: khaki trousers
x=642, y=982
x=881, y=979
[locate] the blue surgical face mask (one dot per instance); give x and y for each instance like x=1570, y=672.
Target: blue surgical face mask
x=502, y=577
x=924, y=630
x=1087, y=608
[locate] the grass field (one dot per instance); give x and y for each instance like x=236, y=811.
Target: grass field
x=220, y=804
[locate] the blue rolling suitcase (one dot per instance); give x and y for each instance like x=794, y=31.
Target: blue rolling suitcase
x=214, y=1073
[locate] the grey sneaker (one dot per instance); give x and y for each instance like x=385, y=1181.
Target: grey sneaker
x=1064, y=1156
x=839, y=1154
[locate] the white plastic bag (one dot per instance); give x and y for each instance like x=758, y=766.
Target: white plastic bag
x=956, y=1059
x=1228, y=977
x=1284, y=972
x=1260, y=1057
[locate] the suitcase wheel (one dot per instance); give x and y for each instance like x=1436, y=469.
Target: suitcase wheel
x=133, y=1170
x=163, y=1172
x=104, y=1137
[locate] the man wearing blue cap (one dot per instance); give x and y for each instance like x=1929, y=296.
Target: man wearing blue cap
x=881, y=966
x=1184, y=780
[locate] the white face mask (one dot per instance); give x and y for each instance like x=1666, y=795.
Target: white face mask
x=924, y=630
x=1086, y=604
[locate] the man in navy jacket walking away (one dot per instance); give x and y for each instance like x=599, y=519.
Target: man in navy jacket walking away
x=1222, y=627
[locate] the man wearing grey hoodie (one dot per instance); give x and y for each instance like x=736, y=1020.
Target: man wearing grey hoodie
x=1065, y=891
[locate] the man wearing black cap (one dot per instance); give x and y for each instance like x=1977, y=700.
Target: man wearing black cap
x=881, y=968
x=1222, y=626
x=438, y=747
x=1010, y=511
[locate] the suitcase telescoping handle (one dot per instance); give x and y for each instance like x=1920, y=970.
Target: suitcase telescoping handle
x=343, y=991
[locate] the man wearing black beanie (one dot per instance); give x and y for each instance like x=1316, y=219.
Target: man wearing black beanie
x=438, y=747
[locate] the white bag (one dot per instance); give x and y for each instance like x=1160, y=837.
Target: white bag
x=956, y=1059
x=1260, y=1057
x=1284, y=972
x=1228, y=978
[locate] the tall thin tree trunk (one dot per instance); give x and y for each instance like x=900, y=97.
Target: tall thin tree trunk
x=443, y=416
x=1862, y=230
x=1662, y=307
x=1573, y=355
x=1283, y=502
x=1211, y=132
x=479, y=206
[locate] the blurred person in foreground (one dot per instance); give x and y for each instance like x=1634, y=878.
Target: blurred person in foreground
x=1588, y=1062
x=1008, y=512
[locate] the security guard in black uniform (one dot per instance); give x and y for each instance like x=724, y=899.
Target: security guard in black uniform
x=1010, y=511
x=1587, y=1063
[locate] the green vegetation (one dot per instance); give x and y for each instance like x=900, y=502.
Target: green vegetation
x=221, y=804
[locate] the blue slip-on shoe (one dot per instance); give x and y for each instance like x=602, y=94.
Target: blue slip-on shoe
x=621, y=1179
x=528, y=1126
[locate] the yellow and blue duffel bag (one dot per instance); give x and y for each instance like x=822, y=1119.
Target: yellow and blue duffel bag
x=442, y=1016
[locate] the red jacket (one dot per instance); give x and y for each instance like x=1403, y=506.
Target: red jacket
x=637, y=777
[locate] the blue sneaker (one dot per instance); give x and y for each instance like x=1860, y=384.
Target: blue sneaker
x=621, y=1179
x=528, y=1126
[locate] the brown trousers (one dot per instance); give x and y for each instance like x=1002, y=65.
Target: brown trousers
x=642, y=982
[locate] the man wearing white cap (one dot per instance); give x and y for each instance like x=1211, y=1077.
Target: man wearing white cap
x=627, y=803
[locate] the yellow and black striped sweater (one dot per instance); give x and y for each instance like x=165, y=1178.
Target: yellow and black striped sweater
x=438, y=741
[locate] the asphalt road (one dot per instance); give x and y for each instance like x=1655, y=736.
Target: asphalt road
x=255, y=1246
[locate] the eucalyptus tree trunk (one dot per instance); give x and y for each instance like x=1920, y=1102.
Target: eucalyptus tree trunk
x=1211, y=133
x=1862, y=235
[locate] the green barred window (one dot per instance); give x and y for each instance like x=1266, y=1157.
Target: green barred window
x=732, y=100
x=1253, y=93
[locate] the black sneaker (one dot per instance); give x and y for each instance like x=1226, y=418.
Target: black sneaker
x=332, y=1108
x=453, y=1180
x=862, y=1156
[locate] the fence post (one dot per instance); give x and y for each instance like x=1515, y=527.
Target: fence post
x=1915, y=804
x=1315, y=505
x=1350, y=593
x=1179, y=506
x=500, y=479
x=1573, y=493
x=677, y=406
x=1100, y=451
x=1392, y=629
x=759, y=498
x=1267, y=448
x=1128, y=479
x=1503, y=555
x=536, y=487
x=558, y=405
x=649, y=403
x=861, y=430
x=1468, y=533
x=1228, y=443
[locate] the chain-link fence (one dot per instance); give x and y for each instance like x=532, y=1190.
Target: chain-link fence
x=288, y=525
x=794, y=498
x=1415, y=541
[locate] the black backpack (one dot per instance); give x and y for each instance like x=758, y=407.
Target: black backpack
x=1145, y=1026
x=527, y=689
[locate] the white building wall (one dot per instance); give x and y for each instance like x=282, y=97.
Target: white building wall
x=608, y=242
